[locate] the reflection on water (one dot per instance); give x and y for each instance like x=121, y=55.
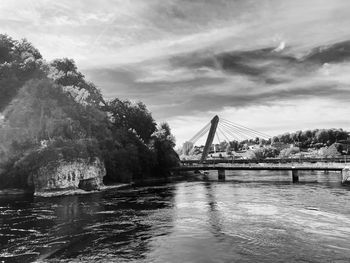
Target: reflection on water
x=251, y=217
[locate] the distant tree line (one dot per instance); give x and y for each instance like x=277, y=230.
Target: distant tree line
x=316, y=138
x=312, y=138
x=323, y=143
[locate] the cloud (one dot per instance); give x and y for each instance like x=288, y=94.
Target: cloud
x=280, y=47
x=337, y=52
x=204, y=81
x=186, y=58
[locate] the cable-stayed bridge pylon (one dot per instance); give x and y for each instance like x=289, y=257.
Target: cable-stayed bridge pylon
x=219, y=127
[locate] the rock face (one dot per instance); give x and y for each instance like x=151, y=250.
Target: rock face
x=61, y=175
x=345, y=175
x=89, y=184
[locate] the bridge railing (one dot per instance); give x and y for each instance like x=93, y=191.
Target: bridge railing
x=333, y=166
x=342, y=159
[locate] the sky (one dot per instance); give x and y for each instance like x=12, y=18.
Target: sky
x=272, y=65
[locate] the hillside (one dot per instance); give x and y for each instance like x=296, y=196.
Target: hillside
x=50, y=107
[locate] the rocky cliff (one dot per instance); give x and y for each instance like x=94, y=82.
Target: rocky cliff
x=62, y=175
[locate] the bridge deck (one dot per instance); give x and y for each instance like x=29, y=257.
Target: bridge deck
x=337, y=167
x=342, y=159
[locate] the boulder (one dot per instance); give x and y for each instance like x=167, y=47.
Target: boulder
x=89, y=184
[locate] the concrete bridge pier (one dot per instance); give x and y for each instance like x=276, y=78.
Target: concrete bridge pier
x=221, y=175
x=295, y=176
x=345, y=175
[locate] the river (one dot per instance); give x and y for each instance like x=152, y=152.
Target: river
x=254, y=216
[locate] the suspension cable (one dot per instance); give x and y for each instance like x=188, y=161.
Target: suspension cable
x=237, y=131
x=243, y=131
x=230, y=132
x=246, y=128
x=200, y=133
x=223, y=134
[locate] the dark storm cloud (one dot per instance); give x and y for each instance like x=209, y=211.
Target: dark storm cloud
x=338, y=52
x=261, y=64
x=241, y=79
x=216, y=102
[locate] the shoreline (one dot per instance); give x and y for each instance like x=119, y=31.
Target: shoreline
x=78, y=191
x=68, y=192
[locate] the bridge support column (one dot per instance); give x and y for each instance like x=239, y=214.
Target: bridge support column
x=345, y=175
x=295, y=176
x=221, y=175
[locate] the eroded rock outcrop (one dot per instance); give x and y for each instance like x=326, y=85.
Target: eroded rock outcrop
x=62, y=175
x=345, y=176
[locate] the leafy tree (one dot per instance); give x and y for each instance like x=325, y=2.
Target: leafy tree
x=266, y=152
x=134, y=116
x=43, y=111
x=223, y=145
x=274, y=140
x=7, y=44
x=65, y=72
x=285, y=153
x=322, y=136
x=234, y=145
x=19, y=62
x=163, y=145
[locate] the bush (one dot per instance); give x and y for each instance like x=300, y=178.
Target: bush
x=285, y=153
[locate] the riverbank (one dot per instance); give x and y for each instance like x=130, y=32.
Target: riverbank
x=79, y=191
x=68, y=192
x=15, y=191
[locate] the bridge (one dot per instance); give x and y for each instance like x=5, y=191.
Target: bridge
x=239, y=132
x=253, y=166
x=220, y=128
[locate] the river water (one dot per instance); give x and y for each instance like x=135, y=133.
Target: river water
x=251, y=217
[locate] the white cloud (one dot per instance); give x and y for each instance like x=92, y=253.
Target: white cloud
x=280, y=47
x=142, y=35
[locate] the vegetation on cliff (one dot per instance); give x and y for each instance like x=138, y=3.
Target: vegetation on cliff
x=51, y=106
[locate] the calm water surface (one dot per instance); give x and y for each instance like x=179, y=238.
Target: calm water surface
x=252, y=217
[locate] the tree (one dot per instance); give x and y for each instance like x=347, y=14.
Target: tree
x=19, y=62
x=163, y=145
x=65, y=72
x=7, y=44
x=234, y=145
x=134, y=116
x=321, y=136
x=223, y=146
x=274, y=139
